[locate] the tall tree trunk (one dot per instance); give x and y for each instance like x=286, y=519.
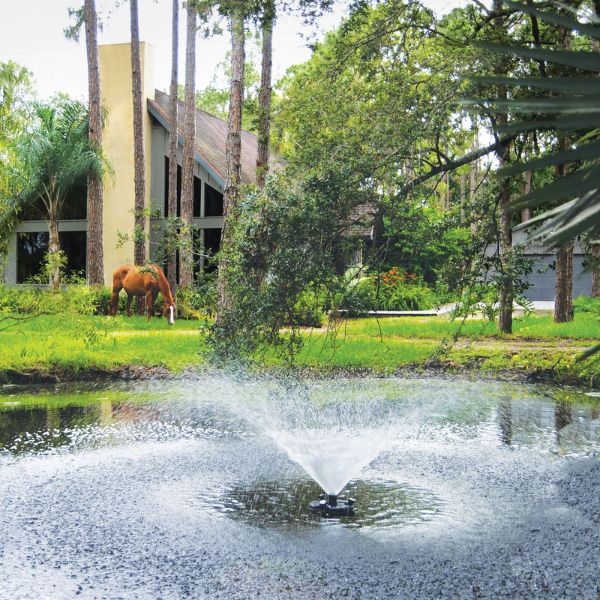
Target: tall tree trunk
x=526, y=212
x=596, y=271
x=189, y=143
x=506, y=286
x=264, y=96
x=54, y=248
x=505, y=233
x=563, y=302
x=172, y=191
x=95, y=251
x=463, y=197
x=473, y=171
x=233, y=154
x=138, y=139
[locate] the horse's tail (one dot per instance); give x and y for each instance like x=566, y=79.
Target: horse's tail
x=164, y=287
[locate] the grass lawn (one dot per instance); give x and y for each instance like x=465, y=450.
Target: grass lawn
x=74, y=344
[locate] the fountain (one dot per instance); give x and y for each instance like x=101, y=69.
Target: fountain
x=333, y=434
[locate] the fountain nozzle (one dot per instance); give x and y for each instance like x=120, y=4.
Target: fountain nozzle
x=329, y=506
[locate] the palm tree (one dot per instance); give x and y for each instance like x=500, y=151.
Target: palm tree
x=56, y=158
x=571, y=106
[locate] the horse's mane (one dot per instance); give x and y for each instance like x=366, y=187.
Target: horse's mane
x=163, y=284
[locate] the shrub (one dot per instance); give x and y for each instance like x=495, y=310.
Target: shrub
x=199, y=301
x=308, y=310
x=391, y=290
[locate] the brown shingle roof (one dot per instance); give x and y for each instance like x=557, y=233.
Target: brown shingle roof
x=211, y=138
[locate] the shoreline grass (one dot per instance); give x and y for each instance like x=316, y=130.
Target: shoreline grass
x=75, y=344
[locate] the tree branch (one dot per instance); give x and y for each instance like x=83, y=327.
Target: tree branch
x=459, y=162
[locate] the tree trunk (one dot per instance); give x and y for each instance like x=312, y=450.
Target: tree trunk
x=463, y=194
x=138, y=140
x=526, y=212
x=95, y=252
x=505, y=233
x=473, y=171
x=596, y=271
x=172, y=192
x=264, y=96
x=233, y=154
x=54, y=249
x=189, y=144
x=506, y=286
x=563, y=302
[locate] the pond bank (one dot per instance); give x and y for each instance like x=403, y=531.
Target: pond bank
x=92, y=348
x=430, y=367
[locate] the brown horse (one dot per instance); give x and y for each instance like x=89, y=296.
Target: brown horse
x=142, y=281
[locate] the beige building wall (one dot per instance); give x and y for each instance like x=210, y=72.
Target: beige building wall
x=119, y=193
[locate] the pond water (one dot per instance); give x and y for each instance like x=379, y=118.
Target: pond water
x=201, y=487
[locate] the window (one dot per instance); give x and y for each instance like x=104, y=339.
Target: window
x=74, y=245
x=212, y=243
x=213, y=202
x=74, y=207
x=197, y=196
x=197, y=191
x=167, y=188
x=32, y=248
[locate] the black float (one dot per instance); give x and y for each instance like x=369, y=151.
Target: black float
x=329, y=506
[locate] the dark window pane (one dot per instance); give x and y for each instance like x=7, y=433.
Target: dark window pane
x=197, y=194
x=212, y=243
x=198, y=250
x=213, y=202
x=73, y=244
x=167, y=188
x=75, y=205
x=36, y=211
x=31, y=249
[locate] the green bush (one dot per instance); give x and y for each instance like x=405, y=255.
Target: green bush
x=308, y=310
x=199, y=301
x=588, y=305
x=391, y=290
x=73, y=299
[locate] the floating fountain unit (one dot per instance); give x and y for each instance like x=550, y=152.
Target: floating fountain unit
x=331, y=507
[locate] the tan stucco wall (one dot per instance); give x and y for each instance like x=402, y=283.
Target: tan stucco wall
x=115, y=81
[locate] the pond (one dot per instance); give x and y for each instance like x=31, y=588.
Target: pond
x=201, y=488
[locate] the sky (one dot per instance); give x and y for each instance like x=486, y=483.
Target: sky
x=31, y=34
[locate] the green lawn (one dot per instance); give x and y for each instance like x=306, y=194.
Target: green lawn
x=77, y=343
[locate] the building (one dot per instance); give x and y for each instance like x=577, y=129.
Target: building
x=29, y=241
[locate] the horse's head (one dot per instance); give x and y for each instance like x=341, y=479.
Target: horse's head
x=169, y=312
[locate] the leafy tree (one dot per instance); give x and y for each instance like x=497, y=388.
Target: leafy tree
x=55, y=159
x=16, y=107
x=569, y=106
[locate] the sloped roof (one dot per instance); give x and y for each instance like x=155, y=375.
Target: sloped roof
x=211, y=138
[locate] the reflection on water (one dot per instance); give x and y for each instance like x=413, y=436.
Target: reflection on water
x=512, y=415
x=285, y=503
